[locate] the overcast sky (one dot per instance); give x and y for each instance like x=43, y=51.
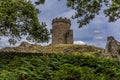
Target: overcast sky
x=94, y=33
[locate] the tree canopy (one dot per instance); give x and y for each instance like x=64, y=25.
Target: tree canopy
x=86, y=10
x=19, y=18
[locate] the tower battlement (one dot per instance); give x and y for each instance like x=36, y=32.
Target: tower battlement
x=60, y=19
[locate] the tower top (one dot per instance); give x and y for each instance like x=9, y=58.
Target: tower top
x=60, y=19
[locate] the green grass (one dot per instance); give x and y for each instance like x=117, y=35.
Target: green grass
x=57, y=67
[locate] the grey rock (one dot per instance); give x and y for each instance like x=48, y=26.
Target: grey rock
x=112, y=46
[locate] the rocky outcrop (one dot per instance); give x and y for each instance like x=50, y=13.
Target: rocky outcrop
x=23, y=47
x=112, y=46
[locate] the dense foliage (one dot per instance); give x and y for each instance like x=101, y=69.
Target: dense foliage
x=57, y=67
x=19, y=18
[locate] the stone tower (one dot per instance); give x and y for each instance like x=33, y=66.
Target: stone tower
x=61, y=32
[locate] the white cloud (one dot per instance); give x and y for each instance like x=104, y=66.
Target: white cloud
x=99, y=37
x=79, y=42
x=97, y=31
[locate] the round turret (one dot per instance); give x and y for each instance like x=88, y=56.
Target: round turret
x=61, y=32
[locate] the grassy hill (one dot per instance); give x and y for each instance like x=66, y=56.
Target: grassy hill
x=60, y=48
x=57, y=62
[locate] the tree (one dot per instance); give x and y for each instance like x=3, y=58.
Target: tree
x=86, y=10
x=19, y=18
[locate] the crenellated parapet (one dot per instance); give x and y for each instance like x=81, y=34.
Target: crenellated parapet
x=60, y=19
